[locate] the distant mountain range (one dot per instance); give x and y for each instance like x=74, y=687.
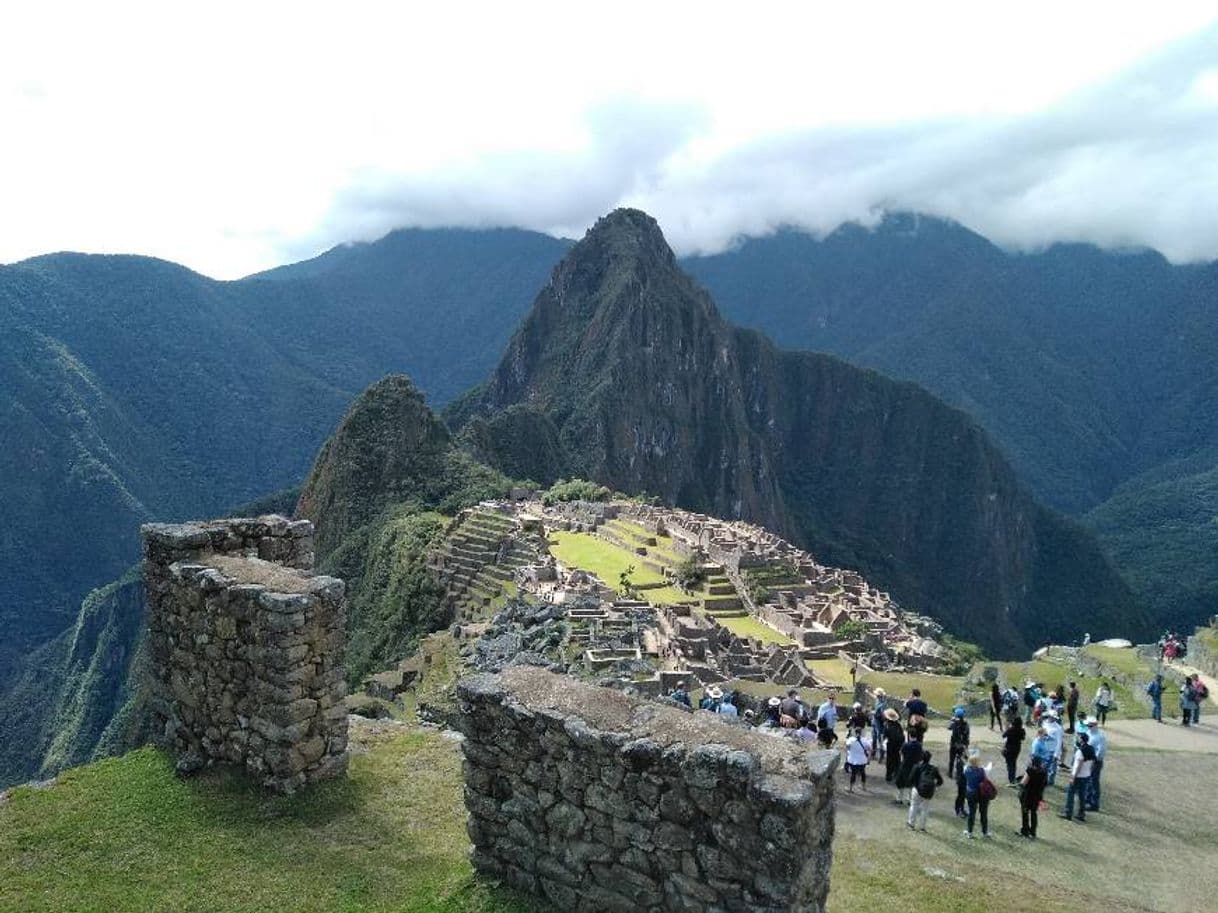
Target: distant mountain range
x=132, y=388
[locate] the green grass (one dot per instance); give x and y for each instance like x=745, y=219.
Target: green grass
x=748, y=626
x=1123, y=660
x=941, y=692
x=126, y=835
x=607, y=561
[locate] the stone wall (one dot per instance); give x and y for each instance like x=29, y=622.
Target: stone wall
x=598, y=801
x=246, y=649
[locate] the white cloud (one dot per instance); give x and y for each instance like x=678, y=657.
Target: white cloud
x=240, y=135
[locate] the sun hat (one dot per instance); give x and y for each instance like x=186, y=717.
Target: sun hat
x=774, y=702
x=714, y=693
x=891, y=714
x=858, y=706
x=880, y=692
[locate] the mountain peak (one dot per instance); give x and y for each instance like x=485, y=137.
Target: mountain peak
x=629, y=233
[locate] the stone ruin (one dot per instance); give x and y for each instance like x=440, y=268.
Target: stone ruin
x=246, y=648
x=598, y=801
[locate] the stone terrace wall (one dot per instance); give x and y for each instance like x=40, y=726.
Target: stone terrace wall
x=599, y=802
x=246, y=649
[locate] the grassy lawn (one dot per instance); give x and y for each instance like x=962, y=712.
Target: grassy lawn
x=834, y=670
x=941, y=692
x=748, y=626
x=607, y=561
x=126, y=836
x=1127, y=661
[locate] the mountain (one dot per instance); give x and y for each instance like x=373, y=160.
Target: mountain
x=1095, y=371
x=626, y=363
x=134, y=389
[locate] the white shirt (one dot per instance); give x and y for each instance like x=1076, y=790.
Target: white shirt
x=857, y=750
x=1081, y=767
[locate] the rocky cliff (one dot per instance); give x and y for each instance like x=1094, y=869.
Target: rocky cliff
x=650, y=390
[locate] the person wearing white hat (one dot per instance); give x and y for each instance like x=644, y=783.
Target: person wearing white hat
x=877, y=723
x=1098, y=740
x=1053, y=728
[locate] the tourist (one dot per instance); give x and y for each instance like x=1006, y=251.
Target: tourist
x=1010, y=703
x=1103, y=702
x=915, y=706
x=911, y=757
x=806, y=732
x=958, y=741
x=926, y=779
x=977, y=793
x=773, y=713
x=1200, y=693
x=828, y=711
x=894, y=739
x=1042, y=747
x=710, y=699
x=1031, y=794
x=727, y=707
x=995, y=706
x=957, y=775
x=1188, y=701
x=858, y=753
x=1155, y=690
x=858, y=717
x=793, y=707
x=680, y=694
x=1098, y=740
x=1072, y=706
x=825, y=735
x=1080, y=778
x=1057, y=739
x=1031, y=694
x=1012, y=741
x=877, y=723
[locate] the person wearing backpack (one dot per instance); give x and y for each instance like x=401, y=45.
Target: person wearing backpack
x=926, y=780
x=979, y=791
x=1201, y=694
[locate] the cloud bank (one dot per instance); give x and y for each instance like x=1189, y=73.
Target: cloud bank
x=1129, y=162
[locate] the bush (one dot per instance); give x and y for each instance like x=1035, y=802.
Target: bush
x=575, y=490
x=688, y=574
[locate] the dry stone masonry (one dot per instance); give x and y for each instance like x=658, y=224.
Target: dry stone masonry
x=246, y=649
x=598, y=801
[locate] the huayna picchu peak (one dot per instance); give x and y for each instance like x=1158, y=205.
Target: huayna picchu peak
x=625, y=362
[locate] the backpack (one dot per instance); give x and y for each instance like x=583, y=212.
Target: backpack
x=927, y=781
x=1028, y=697
x=959, y=732
x=1202, y=691
x=987, y=790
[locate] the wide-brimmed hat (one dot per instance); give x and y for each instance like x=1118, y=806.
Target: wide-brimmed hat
x=880, y=692
x=774, y=702
x=714, y=693
x=891, y=714
x=858, y=706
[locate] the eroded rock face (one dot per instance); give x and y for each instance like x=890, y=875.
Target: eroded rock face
x=598, y=801
x=246, y=649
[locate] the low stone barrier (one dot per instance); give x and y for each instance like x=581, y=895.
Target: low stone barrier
x=599, y=801
x=246, y=649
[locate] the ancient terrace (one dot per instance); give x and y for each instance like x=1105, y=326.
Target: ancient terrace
x=757, y=609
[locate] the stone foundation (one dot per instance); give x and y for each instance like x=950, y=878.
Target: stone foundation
x=246, y=649
x=598, y=801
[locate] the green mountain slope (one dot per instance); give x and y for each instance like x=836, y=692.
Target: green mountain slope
x=650, y=390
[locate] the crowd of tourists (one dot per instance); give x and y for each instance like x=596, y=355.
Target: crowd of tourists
x=1044, y=735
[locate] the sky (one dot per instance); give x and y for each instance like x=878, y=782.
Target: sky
x=233, y=137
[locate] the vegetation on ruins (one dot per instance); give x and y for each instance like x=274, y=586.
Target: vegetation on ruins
x=574, y=490
x=688, y=573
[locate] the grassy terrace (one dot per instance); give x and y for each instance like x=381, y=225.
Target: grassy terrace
x=607, y=561
x=751, y=627
x=126, y=836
